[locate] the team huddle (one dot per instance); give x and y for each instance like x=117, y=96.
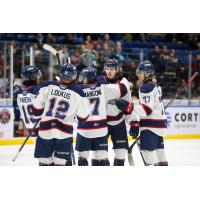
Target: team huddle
x=94, y=108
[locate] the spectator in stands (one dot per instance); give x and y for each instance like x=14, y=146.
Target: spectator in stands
x=173, y=59
x=37, y=50
x=182, y=73
x=164, y=59
x=106, y=50
x=155, y=56
x=63, y=54
x=70, y=39
x=194, y=43
x=49, y=39
x=106, y=39
x=118, y=51
x=88, y=39
x=40, y=39
x=88, y=57
x=100, y=63
x=76, y=58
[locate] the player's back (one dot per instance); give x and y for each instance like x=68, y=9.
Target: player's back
x=25, y=102
x=58, y=105
x=99, y=95
x=96, y=124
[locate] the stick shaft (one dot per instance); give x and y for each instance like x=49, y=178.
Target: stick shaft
x=20, y=149
x=183, y=88
x=23, y=144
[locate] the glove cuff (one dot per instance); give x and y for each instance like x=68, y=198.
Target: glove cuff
x=129, y=108
x=135, y=124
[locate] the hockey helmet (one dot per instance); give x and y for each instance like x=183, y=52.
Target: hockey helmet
x=68, y=72
x=146, y=67
x=88, y=75
x=112, y=63
x=30, y=72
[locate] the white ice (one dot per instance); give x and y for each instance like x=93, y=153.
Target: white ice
x=179, y=153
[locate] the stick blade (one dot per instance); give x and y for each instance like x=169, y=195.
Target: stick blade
x=50, y=49
x=15, y=157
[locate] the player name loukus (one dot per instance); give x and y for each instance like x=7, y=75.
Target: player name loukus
x=60, y=93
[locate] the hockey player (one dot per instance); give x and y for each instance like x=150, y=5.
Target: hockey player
x=57, y=103
x=31, y=76
x=93, y=134
x=115, y=117
x=17, y=120
x=150, y=117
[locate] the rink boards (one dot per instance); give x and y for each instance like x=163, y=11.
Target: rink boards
x=183, y=123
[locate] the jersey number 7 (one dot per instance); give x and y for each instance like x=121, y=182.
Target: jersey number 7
x=95, y=103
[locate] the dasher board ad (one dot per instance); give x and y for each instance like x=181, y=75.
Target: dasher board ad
x=183, y=120
x=6, y=122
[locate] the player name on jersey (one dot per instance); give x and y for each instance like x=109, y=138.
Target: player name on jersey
x=25, y=99
x=92, y=93
x=60, y=93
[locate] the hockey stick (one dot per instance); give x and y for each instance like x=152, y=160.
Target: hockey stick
x=180, y=90
x=130, y=157
x=23, y=144
x=138, y=145
x=55, y=53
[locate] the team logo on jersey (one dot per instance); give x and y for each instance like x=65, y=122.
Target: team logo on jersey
x=96, y=124
x=53, y=124
x=63, y=87
x=24, y=92
x=4, y=116
x=93, y=87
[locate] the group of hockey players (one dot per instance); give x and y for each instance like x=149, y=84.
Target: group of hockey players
x=95, y=107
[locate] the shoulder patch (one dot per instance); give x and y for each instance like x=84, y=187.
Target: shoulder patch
x=146, y=88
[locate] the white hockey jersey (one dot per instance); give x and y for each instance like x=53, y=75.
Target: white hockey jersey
x=25, y=103
x=99, y=95
x=58, y=105
x=114, y=115
x=150, y=111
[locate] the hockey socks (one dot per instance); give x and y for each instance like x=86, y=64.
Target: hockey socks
x=104, y=162
x=118, y=162
x=82, y=162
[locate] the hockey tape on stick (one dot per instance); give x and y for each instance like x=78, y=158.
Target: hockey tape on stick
x=53, y=51
x=73, y=156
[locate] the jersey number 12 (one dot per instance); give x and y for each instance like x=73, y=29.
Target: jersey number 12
x=61, y=107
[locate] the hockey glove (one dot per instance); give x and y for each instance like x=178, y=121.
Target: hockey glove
x=134, y=129
x=125, y=106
